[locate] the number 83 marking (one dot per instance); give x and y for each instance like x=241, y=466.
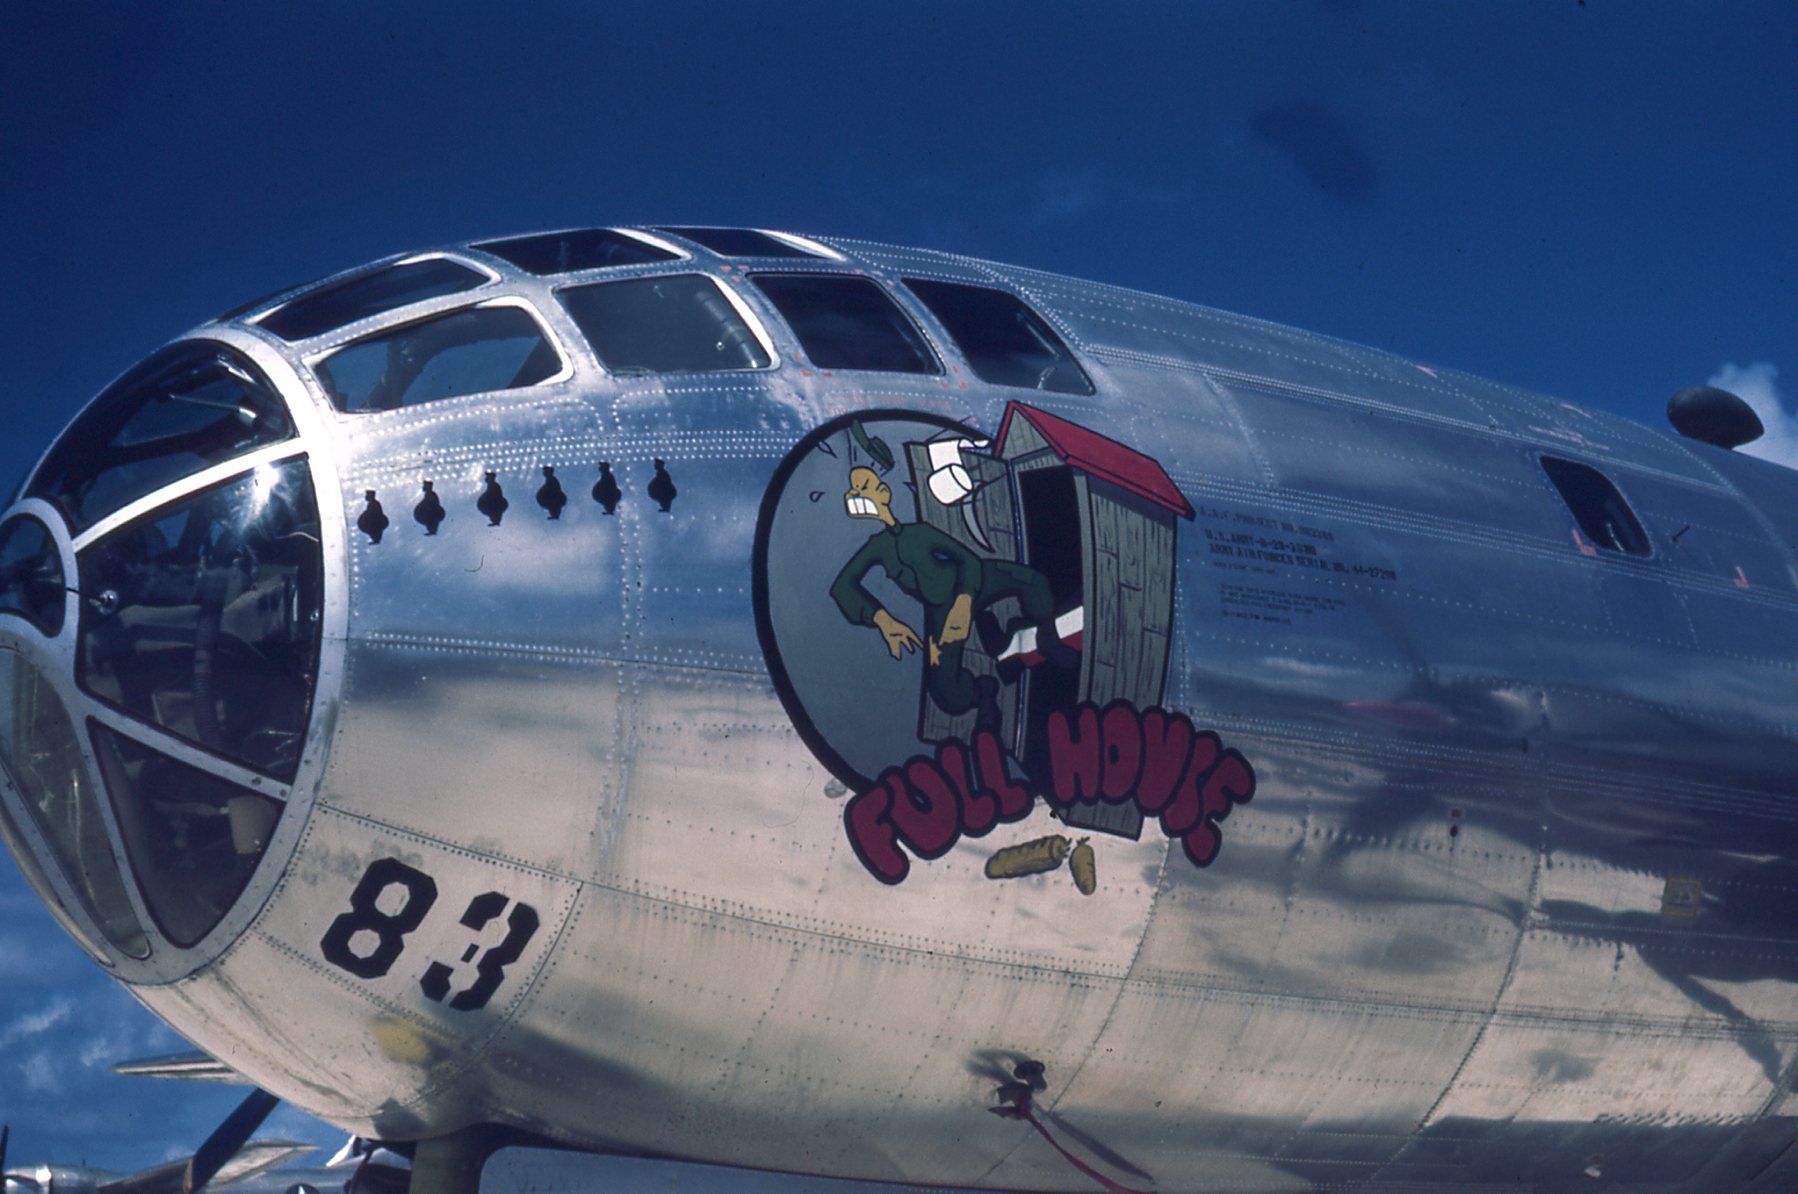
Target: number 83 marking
x=351, y=931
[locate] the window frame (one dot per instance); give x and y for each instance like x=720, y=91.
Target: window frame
x=132, y=844
x=49, y=868
x=805, y=244
x=1648, y=551
x=676, y=253
x=751, y=319
x=281, y=300
x=14, y=523
x=167, y=739
x=317, y=356
x=903, y=283
x=900, y=303
x=234, y=357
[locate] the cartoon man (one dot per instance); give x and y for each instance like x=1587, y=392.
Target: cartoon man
x=951, y=582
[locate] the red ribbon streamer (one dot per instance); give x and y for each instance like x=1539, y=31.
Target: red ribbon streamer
x=1109, y=1186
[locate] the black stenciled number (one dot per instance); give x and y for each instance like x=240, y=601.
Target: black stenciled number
x=365, y=915
x=521, y=926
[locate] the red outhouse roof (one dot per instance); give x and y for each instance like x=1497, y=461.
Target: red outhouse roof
x=1093, y=453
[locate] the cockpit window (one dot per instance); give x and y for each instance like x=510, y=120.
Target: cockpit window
x=740, y=242
x=681, y=323
x=193, y=839
x=846, y=322
x=192, y=405
x=1006, y=343
x=31, y=583
x=579, y=248
x=1596, y=505
x=260, y=301
x=204, y=618
x=359, y=296
x=476, y=350
x=42, y=756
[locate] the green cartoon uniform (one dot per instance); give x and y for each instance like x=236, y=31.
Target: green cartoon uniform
x=930, y=566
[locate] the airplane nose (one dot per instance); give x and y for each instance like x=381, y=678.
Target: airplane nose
x=161, y=597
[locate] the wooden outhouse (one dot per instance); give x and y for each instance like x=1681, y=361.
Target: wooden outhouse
x=1097, y=519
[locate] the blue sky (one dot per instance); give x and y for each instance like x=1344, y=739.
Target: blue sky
x=1590, y=199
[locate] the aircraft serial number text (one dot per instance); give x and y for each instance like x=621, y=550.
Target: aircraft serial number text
x=367, y=940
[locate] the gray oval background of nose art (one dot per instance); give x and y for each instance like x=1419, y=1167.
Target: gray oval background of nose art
x=855, y=706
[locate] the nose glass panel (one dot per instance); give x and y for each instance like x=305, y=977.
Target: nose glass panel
x=204, y=618
x=31, y=583
x=193, y=839
x=192, y=405
x=42, y=756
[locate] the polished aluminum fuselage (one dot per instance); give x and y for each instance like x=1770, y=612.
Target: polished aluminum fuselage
x=1516, y=898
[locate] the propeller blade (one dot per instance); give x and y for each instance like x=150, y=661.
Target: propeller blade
x=192, y=1175
x=5, y=1135
x=228, y=1139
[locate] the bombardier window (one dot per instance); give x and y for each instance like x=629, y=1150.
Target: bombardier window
x=472, y=351
x=193, y=839
x=31, y=583
x=580, y=248
x=846, y=322
x=1600, y=510
x=39, y=751
x=362, y=295
x=204, y=619
x=740, y=242
x=1006, y=343
x=682, y=323
x=188, y=406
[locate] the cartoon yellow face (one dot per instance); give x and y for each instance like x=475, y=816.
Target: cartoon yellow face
x=868, y=496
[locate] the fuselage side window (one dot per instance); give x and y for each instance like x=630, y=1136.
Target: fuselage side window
x=373, y=292
x=848, y=322
x=678, y=323
x=1603, y=515
x=1006, y=343
x=475, y=350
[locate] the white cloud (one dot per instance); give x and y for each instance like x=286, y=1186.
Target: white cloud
x=32, y=1023
x=41, y=1074
x=1758, y=385
x=101, y=1050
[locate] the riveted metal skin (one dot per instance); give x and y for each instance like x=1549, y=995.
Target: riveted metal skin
x=1515, y=900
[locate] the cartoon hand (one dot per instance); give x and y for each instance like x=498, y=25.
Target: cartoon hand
x=961, y=616
x=933, y=652
x=899, y=637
